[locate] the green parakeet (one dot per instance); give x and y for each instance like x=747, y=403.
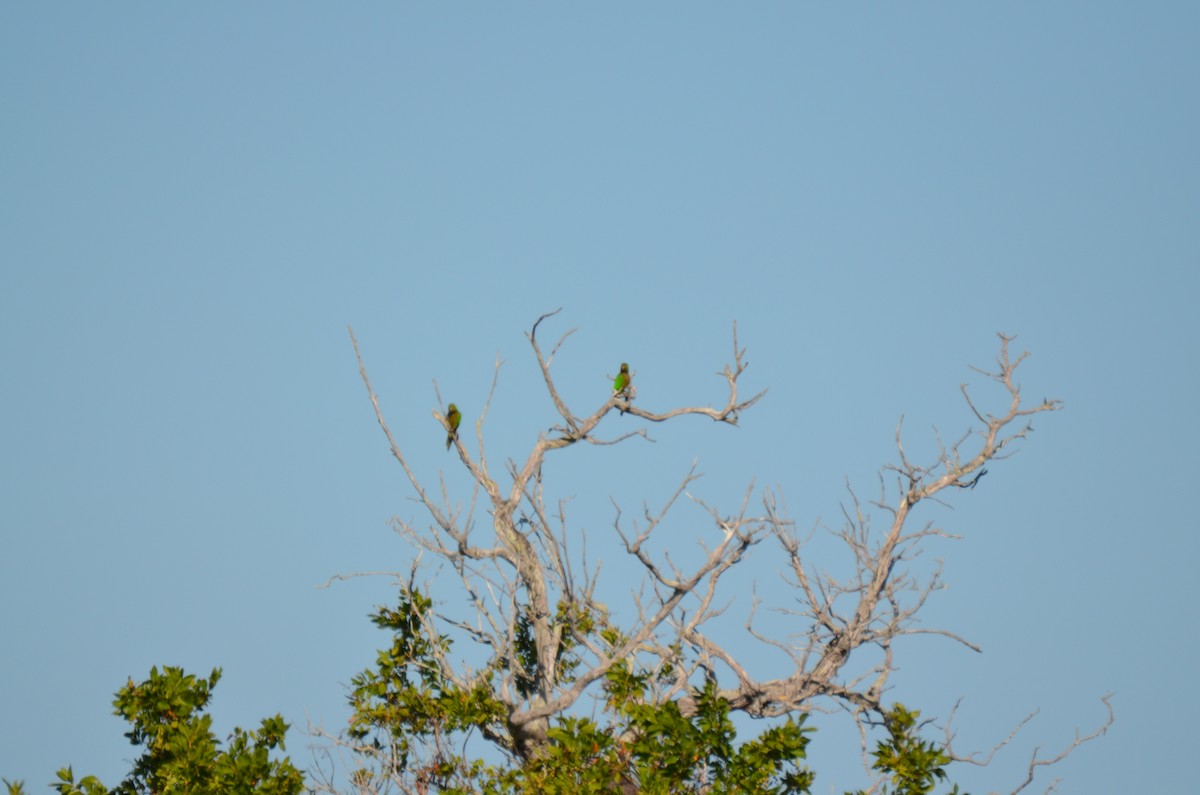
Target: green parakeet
x=453, y=418
x=622, y=381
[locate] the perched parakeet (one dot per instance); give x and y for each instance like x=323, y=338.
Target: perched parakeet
x=453, y=418
x=622, y=381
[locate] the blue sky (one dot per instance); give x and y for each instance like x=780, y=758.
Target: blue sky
x=198, y=199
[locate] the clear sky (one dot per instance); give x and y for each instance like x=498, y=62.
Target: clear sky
x=196, y=199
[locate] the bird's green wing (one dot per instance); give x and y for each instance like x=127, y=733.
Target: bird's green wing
x=621, y=383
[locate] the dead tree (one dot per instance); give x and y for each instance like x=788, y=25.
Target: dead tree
x=528, y=590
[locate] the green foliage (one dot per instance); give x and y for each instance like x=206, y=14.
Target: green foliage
x=913, y=766
x=181, y=754
x=571, y=619
x=405, y=705
x=663, y=750
x=406, y=711
x=14, y=787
